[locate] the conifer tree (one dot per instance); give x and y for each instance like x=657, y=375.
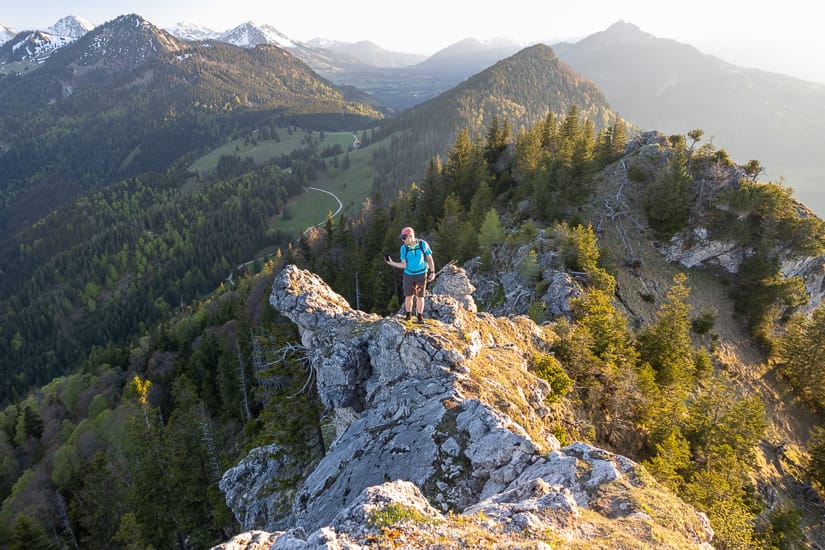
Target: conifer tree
x=816, y=464
x=456, y=239
x=481, y=203
x=27, y=535
x=799, y=355
x=667, y=199
x=490, y=235
x=666, y=344
x=498, y=138
x=672, y=456
x=549, y=132
x=529, y=157
x=722, y=493
x=434, y=191
x=457, y=168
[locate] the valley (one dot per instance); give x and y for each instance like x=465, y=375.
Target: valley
x=137, y=362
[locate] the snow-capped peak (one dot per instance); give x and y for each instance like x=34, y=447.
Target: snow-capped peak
x=6, y=34
x=71, y=26
x=249, y=34
x=192, y=31
x=36, y=45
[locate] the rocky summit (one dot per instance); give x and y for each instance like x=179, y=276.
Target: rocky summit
x=442, y=437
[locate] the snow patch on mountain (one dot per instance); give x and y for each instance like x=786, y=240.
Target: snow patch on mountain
x=71, y=26
x=193, y=31
x=6, y=33
x=37, y=45
x=248, y=35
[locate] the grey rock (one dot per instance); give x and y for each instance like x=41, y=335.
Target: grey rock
x=250, y=488
x=414, y=429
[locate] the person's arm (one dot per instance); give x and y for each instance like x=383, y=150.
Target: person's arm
x=430, y=267
x=389, y=261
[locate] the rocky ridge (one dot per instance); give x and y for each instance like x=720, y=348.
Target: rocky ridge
x=442, y=435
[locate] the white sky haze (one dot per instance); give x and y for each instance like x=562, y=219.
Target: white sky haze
x=784, y=37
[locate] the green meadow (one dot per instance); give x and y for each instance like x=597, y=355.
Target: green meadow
x=351, y=185
x=267, y=150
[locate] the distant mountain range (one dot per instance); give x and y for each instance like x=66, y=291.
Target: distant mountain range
x=369, y=53
x=36, y=45
x=139, y=98
x=653, y=83
x=661, y=84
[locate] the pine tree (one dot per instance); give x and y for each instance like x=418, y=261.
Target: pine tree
x=816, y=464
x=666, y=344
x=433, y=193
x=456, y=239
x=667, y=199
x=672, y=456
x=490, y=235
x=799, y=355
x=499, y=135
x=27, y=535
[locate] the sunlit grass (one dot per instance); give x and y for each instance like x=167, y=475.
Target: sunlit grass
x=268, y=150
x=352, y=186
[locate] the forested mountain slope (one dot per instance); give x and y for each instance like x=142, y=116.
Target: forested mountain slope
x=632, y=367
x=128, y=98
x=102, y=228
x=665, y=280
x=518, y=91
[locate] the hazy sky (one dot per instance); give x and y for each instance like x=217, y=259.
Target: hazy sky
x=782, y=36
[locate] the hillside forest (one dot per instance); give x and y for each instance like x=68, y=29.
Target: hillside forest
x=179, y=374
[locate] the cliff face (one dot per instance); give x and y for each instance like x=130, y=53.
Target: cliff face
x=442, y=435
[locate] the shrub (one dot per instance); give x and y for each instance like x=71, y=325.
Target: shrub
x=548, y=368
x=704, y=322
x=636, y=173
x=666, y=200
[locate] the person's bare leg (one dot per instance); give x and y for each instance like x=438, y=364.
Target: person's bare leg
x=419, y=306
x=408, y=305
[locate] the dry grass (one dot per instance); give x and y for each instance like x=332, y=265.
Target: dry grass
x=626, y=237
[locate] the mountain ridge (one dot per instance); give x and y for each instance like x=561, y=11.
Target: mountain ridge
x=37, y=45
x=672, y=87
x=521, y=90
x=744, y=227
x=6, y=33
x=422, y=405
x=116, y=68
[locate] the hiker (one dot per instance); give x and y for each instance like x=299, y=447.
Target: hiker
x=419, y=268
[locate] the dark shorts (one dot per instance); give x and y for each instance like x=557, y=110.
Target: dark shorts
x=415, y=284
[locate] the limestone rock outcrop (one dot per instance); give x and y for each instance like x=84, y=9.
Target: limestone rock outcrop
x=444, y=433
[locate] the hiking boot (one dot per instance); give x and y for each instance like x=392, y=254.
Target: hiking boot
x=407, y=316
x=419, y=317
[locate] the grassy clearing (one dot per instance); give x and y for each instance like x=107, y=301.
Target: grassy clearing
x=352, y=186
x=268, y=150
x=18, y=67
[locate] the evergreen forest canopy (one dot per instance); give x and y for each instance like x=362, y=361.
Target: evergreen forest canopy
x=518, y=91
x=127, y=450
x=90, y=117
x=116, y=261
